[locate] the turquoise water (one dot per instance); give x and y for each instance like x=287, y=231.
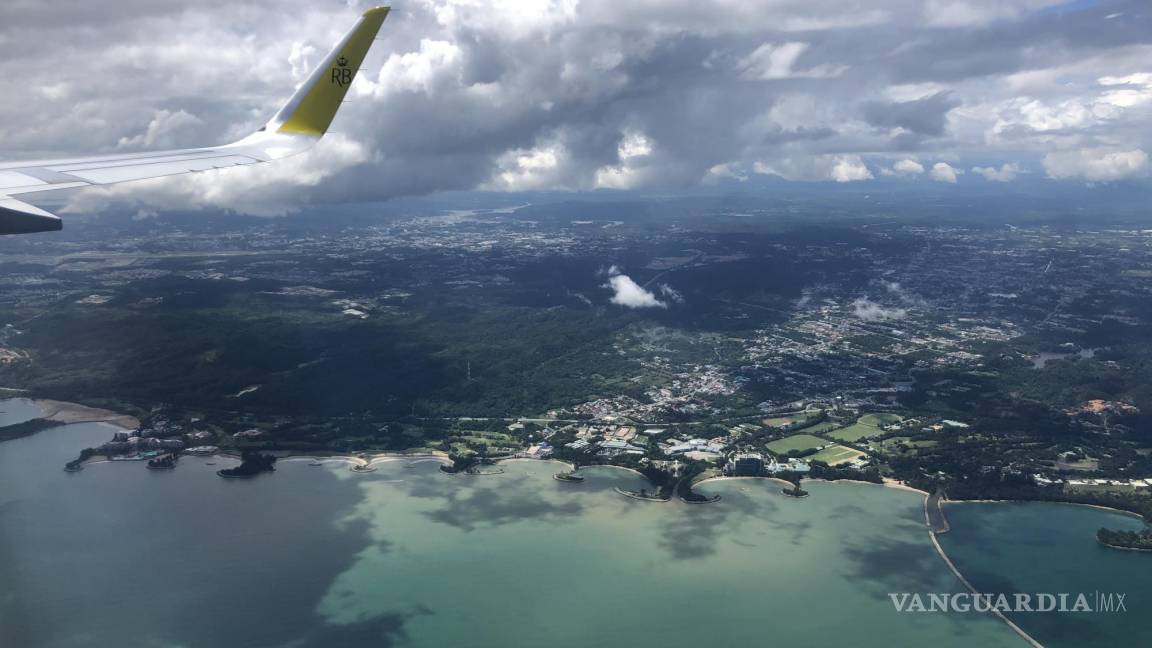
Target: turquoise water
x=408, y=556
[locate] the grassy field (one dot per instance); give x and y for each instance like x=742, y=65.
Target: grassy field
x=796, y=442
x=836, y=454
x=822, y=427
x=878, y=420
x=867, y=425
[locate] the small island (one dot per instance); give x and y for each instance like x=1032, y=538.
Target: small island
x=795, y=491
x=251, y=464
x=643, y=494
x=1130, y=540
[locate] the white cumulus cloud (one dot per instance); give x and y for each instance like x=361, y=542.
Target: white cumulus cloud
x=850, y=168
x=628, y=293
x=907, y=166
x=1099, y=165
x=944, y=172
x=1006, y=173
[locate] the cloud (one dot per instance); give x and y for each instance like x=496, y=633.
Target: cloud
x=1097, y=164
x=838, y=168
x=926, y=116
x=968, y=13
x=850, y=168
x=903, y=294
x=671, y=294
x=163, y=130
x=944, y=172
x=778, y=61
x=567, y=95
x=628, y=293
x=904, y=167
x=1006, y=173
x=870, y=311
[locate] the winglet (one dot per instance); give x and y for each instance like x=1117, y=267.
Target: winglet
x=311, y=109
x=18, y=217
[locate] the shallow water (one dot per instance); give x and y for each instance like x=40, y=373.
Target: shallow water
x=407, y=556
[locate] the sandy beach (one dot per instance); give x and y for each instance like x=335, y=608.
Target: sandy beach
x=64, y=412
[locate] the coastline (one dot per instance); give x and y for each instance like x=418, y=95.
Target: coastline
x=357, y=462
x=1000, y=615
x=1112, y=546
x=571, y=467
x=932, y=535
x=1014, y=501
x=441, y=457
x=886, y=482
x=726, y=478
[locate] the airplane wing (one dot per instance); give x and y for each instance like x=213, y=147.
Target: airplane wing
x=297, y=126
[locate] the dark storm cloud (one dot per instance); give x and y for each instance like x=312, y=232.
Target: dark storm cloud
x=925, y=116
x=581, y=94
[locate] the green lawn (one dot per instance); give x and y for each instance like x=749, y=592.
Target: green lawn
x=796, y=442
x=836, y=454
x=878, y=420
x=821, y=428
x=867, y=425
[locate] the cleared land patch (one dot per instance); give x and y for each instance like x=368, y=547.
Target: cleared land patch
x=781, y=421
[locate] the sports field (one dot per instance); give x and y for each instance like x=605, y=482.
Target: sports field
x=835, y=455
x=796, y=442
x=867, y=425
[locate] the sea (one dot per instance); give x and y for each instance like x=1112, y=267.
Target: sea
x=318, y=555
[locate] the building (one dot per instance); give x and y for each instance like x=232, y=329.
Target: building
x=539, y=451
x=613, y=447
x=747, y=464
x=202, y=450
x=695, y=445
x=792, y=465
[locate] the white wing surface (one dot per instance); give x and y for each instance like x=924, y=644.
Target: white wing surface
x=297, y=126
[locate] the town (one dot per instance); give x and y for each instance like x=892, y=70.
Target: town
x=964, y=355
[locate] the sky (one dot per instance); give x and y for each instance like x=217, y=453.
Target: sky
x=653, y=95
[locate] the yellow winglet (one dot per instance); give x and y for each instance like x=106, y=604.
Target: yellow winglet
x=311, y=109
